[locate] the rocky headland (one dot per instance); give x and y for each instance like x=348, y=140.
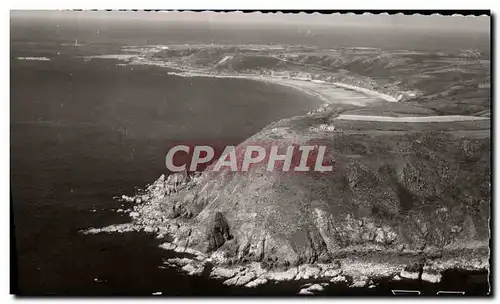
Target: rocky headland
x=407, y=199
x=404, y=205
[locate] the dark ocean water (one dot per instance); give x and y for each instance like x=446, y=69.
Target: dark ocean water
x=83, y=132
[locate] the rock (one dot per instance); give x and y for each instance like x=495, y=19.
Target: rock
x=305, y=292
x=200, y=257
x=315, y=287
x=396, y=278
x=168, y=246
x=219, y=257
x=331, y=272
x=189, y=268
x=231, y=282
x=282, y=275
x=177, y=179
x=218, y=234
x=409, y=275
x=359, y=282
x=134, y=214
x=307, y=271
x=220, y=272
x=379, y=236
x=127, y=227
x=128, y=199
x=339, y=279
x=179, y=261
x=161, y=179
x=194, y=269
x=249, y=276
x=192, y=251
x=412, y=271
x=372, y=286
x=119, y=210
x=240, y=279
x=149, y=229
x=311, y=289
x=256, y=282
x=431, y=276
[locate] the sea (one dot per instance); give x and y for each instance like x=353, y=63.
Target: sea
x=85, y=131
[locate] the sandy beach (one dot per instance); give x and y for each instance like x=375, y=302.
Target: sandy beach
x=329, y=93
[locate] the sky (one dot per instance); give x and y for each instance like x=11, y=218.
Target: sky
x=456, y=22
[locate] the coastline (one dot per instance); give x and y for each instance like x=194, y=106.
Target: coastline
x=327, y=92
x=350, y=268
x=356, y=273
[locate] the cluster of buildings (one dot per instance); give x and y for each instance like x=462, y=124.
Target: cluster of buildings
x=287, y=74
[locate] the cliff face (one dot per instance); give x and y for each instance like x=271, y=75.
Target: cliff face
x=397, y=196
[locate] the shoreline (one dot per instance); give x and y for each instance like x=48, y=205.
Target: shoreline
x=348, y=268
x=318, y=88
x=277, y=81
x=328, y=93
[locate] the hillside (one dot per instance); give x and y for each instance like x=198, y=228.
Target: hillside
x=397, y=198
x=406, y=198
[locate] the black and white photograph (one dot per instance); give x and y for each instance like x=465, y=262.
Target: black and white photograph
x=161, y=153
